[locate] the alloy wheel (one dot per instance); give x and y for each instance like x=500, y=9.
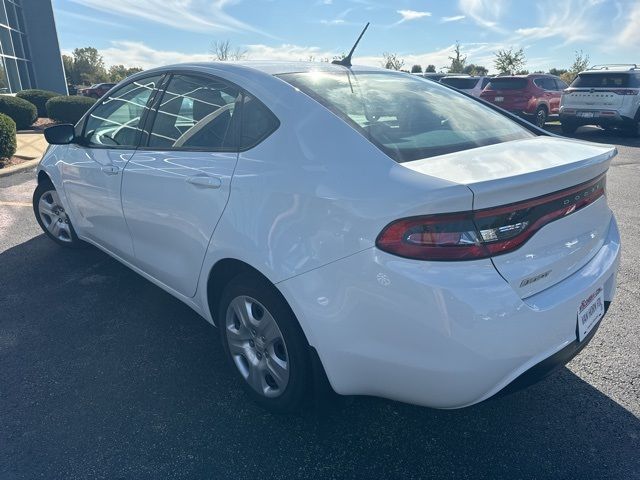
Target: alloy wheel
x=53, y=216
x=541, y=118
x=257, y=346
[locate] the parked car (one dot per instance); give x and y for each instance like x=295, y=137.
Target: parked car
x=97, y=90
x=605, y=95
x=535, y=97
x=433, y=76
x=351, y=224
x=473, y=85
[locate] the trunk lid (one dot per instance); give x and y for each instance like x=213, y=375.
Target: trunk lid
x=522, y=170
x=593, y=98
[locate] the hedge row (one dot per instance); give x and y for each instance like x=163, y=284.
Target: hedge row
x=7, y=136
x=68, y=109
x=22, y=112
x=39, y=98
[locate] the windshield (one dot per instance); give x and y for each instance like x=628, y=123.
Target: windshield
x=602, y=80
x=461, y=83
x=407, y=117
x=508, y=84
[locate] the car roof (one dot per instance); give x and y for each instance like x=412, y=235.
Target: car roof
x=268, y=67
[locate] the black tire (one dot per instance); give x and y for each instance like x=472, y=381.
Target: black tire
x=300, y=381
x=43, y=188
x=568, y=128
x=541, y=116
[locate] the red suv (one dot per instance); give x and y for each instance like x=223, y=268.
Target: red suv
x=97, y=90
x=535, y=96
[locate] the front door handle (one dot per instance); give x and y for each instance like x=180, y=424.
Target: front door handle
x=205, y=181
x=110, y=169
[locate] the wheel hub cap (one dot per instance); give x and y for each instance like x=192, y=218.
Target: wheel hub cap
x=257, y=346
x=53, y=216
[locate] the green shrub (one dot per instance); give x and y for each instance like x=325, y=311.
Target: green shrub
x=7, y=136
x=22, y=112
x=38, y=98
x=68, y=109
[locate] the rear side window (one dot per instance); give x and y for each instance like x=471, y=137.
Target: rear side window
x=508, y=83
x=461, y=83
x=257, y=123
x=406, y=117
x=196, y=113
x=603, y=80
x=546, y=83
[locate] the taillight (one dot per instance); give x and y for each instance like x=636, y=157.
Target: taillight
x=483, y=233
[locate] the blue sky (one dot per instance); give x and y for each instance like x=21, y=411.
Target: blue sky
x=155, y=32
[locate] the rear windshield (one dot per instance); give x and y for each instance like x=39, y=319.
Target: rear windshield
x=596, y=80
x=508, y=83
x=461, y=83
x=407, y=117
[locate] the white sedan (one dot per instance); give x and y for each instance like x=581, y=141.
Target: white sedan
x=356, y=225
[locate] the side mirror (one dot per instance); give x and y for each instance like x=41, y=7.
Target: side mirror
x=60, y=134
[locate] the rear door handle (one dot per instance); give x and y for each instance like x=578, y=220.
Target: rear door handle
x=205, y=181
x=110, y=169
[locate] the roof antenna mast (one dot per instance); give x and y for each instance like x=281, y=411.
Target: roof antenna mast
x=346, y=61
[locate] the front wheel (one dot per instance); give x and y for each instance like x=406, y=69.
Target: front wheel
x=541, y=117
x=265, y=344
x=52, y=217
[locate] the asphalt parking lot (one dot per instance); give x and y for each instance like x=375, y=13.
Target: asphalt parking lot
x=103, y=375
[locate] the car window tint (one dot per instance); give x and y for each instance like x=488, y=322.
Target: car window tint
x=508, y=83
x=560, y=84
x=195, y=112
x=116, y=121
x=461, y=83
x=485, y=82
x=407, y=117
x=257, y=123
x=601, y=80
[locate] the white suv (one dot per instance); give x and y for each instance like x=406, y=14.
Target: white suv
x=605, y=95
x=467, y=84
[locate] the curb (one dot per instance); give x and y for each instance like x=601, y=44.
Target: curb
x=29, y=164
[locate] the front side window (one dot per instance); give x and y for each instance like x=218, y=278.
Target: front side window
x=407, y=117
x=196, y=113
x=116, y=121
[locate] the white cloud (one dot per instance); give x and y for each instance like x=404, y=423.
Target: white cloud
x=572, y=22
x=137, y=54
x=455, y=18
x=485, y=13
x=408, y=15
x=204, y=16
x=630, y=34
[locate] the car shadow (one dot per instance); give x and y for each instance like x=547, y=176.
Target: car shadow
x=105, y=375
x=598, y=135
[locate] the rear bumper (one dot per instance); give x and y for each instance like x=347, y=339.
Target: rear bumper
x=444, y=335
x=600, y=117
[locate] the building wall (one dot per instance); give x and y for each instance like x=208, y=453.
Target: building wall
x=29, y=50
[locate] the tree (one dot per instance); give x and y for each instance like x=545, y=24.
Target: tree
x=430, y=69
x=580, y=63
x=416, y=69
x=223, y=51
x=69, y=73
x=120, y=72
x=84, y=66
x=557, y=71
x=457, y=61
x=472, y=69
x=391, y=61
x=507, y=61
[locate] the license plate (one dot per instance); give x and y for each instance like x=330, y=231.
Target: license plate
x=499, y=99
x=586, y=114
x=590, y=311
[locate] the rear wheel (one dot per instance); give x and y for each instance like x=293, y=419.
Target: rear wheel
x=265, y=344
x=52, y=217
x=541, y=116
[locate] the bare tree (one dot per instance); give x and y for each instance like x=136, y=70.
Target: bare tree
x=391, y=61
x=223, y=51
x=458, y=61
